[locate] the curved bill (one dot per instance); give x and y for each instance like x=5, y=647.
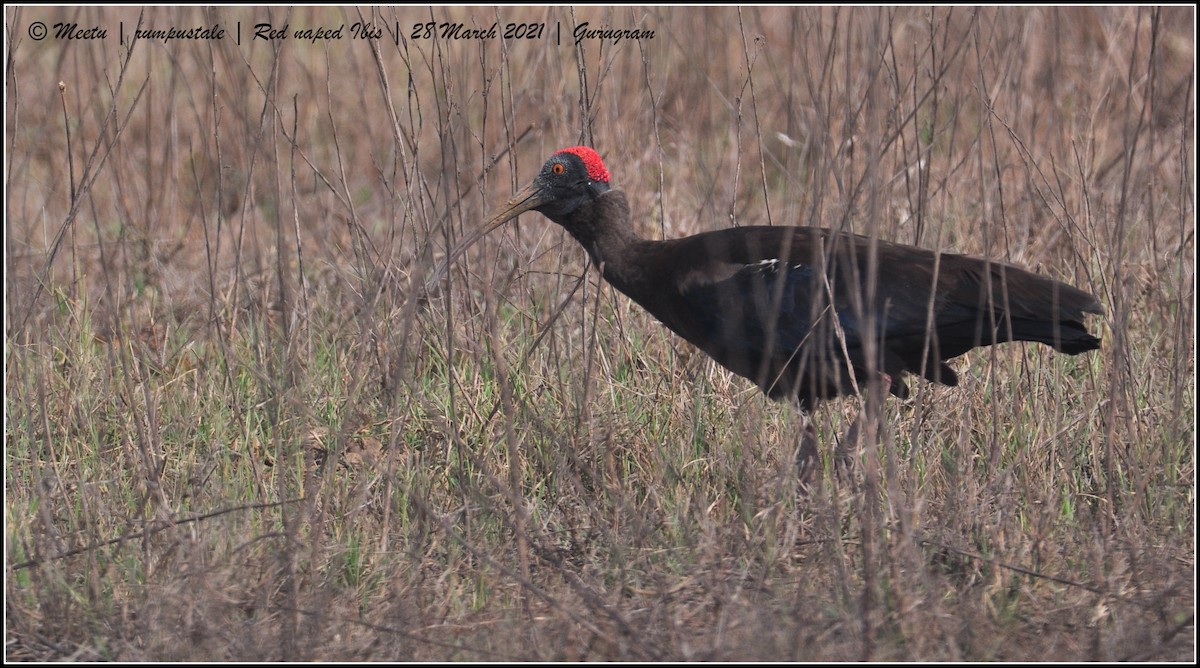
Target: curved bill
x=529, y=197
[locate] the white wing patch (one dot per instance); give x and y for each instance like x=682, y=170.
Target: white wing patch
x=726, y=270
x=770, y=265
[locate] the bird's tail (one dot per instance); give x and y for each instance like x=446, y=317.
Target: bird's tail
x=1067, y=336
x=1029, y=307
x=991, y=302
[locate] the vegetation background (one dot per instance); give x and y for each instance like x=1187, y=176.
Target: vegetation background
x=238, y=427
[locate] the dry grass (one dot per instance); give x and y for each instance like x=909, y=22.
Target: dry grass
x=236, y=429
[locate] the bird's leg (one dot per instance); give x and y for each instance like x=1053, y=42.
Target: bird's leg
x=885, y=383
x=808, y=457
x=843, y=454
x=848, y=445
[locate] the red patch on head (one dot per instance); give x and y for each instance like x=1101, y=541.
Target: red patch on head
x=595, y=166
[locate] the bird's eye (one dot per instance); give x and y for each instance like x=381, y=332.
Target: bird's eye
x=558, y=169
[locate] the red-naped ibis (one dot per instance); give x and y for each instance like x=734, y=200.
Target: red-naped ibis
x=791, y=308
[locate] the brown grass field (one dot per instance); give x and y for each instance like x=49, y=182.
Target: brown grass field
x=237, y=426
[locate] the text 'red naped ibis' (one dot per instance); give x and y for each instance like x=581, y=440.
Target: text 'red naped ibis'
x=791, y=308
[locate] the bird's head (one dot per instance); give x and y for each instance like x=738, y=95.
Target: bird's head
x=569, y=179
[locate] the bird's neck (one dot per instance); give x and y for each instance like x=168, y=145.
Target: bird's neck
x=603, y=228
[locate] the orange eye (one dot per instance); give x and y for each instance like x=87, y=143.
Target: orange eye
x=558, y=169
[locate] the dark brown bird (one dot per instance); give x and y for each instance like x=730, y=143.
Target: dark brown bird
x=793, y=308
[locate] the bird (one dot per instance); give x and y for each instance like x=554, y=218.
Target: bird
x=806, y=313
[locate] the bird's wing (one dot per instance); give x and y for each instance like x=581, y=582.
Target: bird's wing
x=774, y=321
x=823, y=306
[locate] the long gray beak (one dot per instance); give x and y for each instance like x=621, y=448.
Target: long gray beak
x=529, y=197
